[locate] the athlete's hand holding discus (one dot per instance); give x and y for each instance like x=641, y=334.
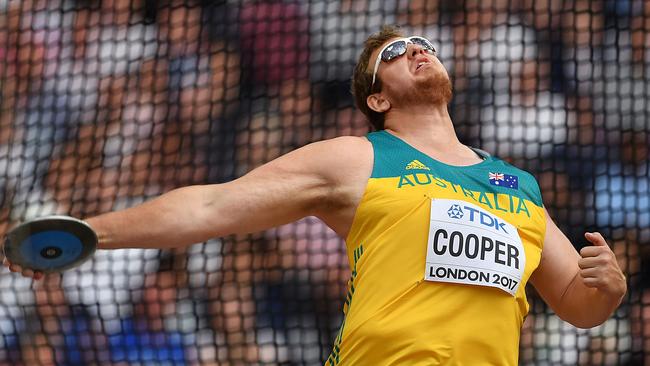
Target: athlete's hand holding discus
x=26, y=272
x=48, y=244
x=599, y=268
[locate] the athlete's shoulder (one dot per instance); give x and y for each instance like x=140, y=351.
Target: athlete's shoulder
x=345, y=142
x=330, y=157
x=341, y=149
x=330, y=148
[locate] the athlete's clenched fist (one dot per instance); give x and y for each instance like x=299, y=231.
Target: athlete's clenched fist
x=599, y=268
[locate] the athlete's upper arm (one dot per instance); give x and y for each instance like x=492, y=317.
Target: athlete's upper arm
x=304, y=182
x=558, y=266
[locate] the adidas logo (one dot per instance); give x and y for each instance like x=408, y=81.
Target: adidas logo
x=416, y=164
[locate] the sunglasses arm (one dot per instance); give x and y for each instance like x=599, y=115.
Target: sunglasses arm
x=377, y=62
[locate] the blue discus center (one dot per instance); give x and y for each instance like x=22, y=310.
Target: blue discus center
x=50, y=249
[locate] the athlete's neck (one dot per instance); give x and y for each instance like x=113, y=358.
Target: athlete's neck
x=426, y=125
x=430, y=130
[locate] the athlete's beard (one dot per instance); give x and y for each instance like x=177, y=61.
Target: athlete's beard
x=434, y=90
x=439, y=88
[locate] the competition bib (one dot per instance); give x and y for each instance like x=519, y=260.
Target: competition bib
x=472, y=246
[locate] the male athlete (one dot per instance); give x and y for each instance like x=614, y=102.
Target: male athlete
x=441, y=238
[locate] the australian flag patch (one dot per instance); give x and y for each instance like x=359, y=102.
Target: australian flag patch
x=504, y=180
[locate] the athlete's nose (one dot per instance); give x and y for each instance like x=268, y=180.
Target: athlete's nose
x=413, y=50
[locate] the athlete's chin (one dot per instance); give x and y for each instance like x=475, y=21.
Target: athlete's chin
x=437, y=89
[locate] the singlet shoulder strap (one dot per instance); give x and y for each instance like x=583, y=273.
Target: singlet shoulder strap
x=481, y=153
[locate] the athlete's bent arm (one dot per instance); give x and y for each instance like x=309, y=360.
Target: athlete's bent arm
x=582, y=288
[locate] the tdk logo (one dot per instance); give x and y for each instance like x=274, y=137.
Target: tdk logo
x=480, y=217
x=455, y=212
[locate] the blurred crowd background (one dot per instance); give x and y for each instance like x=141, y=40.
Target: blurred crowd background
x=106, y=103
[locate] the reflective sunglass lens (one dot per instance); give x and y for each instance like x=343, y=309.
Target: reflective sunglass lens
x=424, y=43
x=394, y=50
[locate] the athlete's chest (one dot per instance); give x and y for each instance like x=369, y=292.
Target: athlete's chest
x=469, y=232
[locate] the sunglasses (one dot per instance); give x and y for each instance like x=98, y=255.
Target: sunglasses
x=397, y=48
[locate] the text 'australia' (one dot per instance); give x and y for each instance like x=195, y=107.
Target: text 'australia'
x=497, y=201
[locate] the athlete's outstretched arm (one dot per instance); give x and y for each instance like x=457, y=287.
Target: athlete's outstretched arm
x=582, y=288
x=293, y=186
x=304, y=182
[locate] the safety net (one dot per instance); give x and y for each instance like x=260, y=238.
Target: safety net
x=107, y=103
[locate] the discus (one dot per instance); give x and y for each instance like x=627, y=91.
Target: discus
x=50, y=244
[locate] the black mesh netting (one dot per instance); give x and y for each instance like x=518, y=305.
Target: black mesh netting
x=104, y=104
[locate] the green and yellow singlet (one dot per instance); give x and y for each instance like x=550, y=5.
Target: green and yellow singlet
x=440, y=256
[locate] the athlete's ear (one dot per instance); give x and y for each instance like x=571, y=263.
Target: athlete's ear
x=378, y=103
